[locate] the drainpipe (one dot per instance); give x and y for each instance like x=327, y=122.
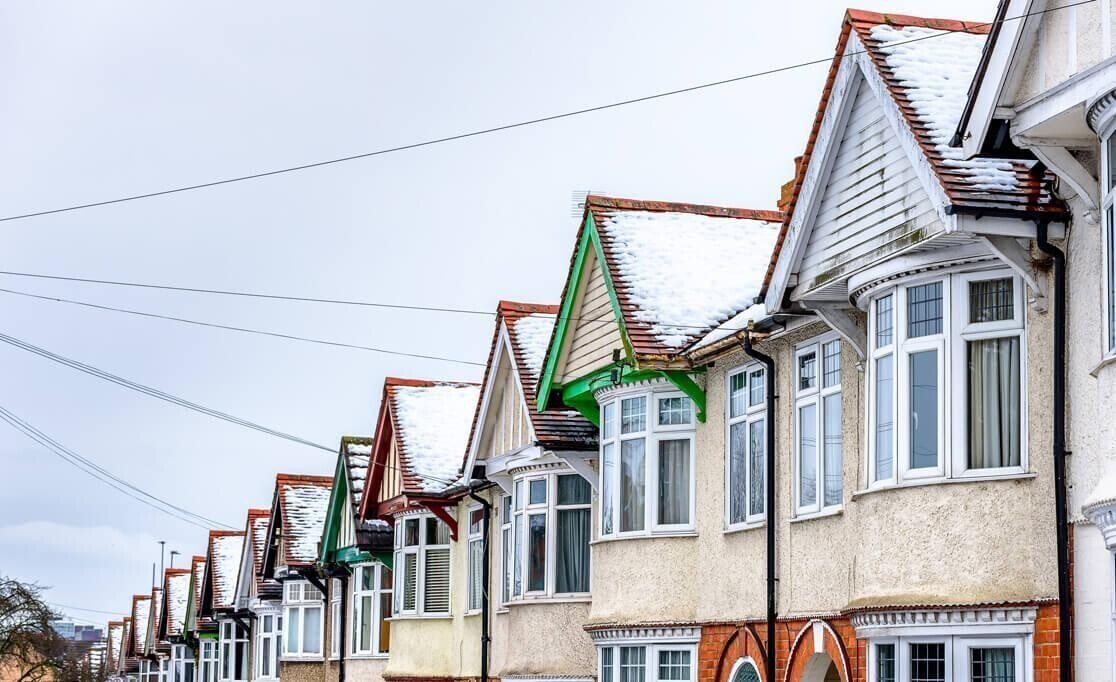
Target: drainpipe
x=485, y=638
x=344, y=577
x=769, y=436
x=1064, y=591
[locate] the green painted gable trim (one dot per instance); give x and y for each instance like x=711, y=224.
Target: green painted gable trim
x=578, y=394
x=589, y=239
x=207, y=635
x=352, y=555
x=339, y=502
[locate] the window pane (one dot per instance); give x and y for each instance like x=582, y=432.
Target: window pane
x=410, y=581
x=366, y=623
x=1110, y=283
x=991, y=300
x=1111, y=161
x=517, y=561
x=519, y=499
x=385, y=577
x=573, y=489
x=536, y=552
x=410, y=533
x=756, y=392
x=884, y=417
x=674, y=665
x=608, y=420
x=807, y=455
x=674, y=481
x=437, y=533
x=633, y=415
x=994, y=410
x=572, y=566
x=608, y=464
x=436, y=581
x=476, y=523
x=476, y=578
x=924, y=310
x=928, y=662
x=757, y=472
x=294, y=624
x=384, y=624
x=807, y=371
x=993, y=664
x=738, y=473
x=505, y=509
x=884, y=324
x=367, y=577
x=632, y=481
x=505, y=549
x=885, y=663
x=537, y=491
x=831, y=363
x=312, y=631
x=674, y=411
x=606, y=664
x=831, y=455
x=632, y=662
x=924, y=409
x=737, y=394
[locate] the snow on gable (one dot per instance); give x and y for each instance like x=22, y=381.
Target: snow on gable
x=935, y=68
x=260, y=526
x=304, y=513
x=140, y=619
x=434, y=423
x=178, y=595
x=688, y=272
x=227, y=550
x=533, y=335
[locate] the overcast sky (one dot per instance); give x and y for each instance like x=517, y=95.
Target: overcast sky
x=104, y=99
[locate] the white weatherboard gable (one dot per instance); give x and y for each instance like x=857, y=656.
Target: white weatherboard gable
x=492, y=395
x=593, y=331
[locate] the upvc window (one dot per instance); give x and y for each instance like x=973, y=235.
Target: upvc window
x=422, y=558
x=506, y=552
x=164, y=669
x=818, y=461
x=947, y=659
x=335, y=618
x=182, y=663
x=647, y=470
x=207, y=661
x=954, y=341
x=745, y=463
x=372, y=589
x=269, y=642
x=233, y=652
x=476, y=557
x=647, y=663
x=549, y=534
x=1108, y=183
x=303, y=605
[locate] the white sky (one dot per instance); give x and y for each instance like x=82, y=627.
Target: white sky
x=99, y=100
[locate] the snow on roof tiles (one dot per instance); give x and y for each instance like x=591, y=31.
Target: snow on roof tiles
x=178, y=596
x=141, y=612
x=533, y=336
x=225, y=554
x=432, y=424
x=304, y=503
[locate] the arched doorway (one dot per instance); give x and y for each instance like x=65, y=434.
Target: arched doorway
x=745, y=670
x=820, y=668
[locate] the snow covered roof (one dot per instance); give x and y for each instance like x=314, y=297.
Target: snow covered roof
x=431, y=421
x=303, y=502
x=156, y=617
x=357, y=451
x=225, y=549
x=115, y=641
x=197, y=577
x=680, y=270
x=177, y=597
x=256, y=529
x=141, y=613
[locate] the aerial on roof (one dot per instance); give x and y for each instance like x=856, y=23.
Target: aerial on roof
x=431, y=421
x=225, y=548
x=303, y=502
x=177, y=591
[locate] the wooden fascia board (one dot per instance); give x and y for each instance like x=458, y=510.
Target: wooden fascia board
x=377, y=464
x=338, y=493
x=589, y=239
x=578, y=394
x=440, y=510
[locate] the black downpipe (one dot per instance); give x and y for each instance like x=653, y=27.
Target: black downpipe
x=344, y=577
x=1064, y=591
x=769, y=436
x=485, y=637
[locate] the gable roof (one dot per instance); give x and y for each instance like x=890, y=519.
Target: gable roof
x=141, y=613
x=302, y=502
x=115, y=637
x=194, y=619
x=350, y=483
x=176, y=597
x=127, y=660
x=222, y=561
x=430, y=423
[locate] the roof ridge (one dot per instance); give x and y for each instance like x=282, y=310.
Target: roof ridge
x=302, y=478
x=600, y=201
x=892, y=19
x=505, y=306
x=223, y=533
x=259, y=511
x=424, y=383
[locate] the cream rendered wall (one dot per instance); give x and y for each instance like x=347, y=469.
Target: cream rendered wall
x=1068, y=41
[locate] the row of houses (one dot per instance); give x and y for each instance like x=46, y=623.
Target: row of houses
x=826, y=442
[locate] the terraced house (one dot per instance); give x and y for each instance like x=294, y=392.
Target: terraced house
x=258, y=601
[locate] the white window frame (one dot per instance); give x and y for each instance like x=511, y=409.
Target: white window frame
x=180, y=656
x=376, y=594
x=1108, y=242
x=299, y=598
x=506, y=548
x=474, y=545
x=208, y=659
x=420, y=552
x=952, y=366
x=274, y=635
x=549, y=510
x=752, y=414
x=650, y=661
x=335, y=631
x=652, y=435
x=957, y=649
x=227, y=644
x=816, y=397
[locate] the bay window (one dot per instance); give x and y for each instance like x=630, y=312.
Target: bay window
x=372, y=589
x=233, y=651
x=745, y=477
x=946, y=379
x=947, y=659
x=422, y=557
x=269, y=638
x=207, y=660
x=302, y=617
x=819, y=485
x=647, y=478
x=548, y=533
x=647, y=663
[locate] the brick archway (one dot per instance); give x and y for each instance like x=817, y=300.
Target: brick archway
x=742, y=642
x=817, y=638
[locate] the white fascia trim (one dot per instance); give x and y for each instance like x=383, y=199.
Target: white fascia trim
x=647, y=634
x=1078, y=91
x=988, y=621
x=854, y=63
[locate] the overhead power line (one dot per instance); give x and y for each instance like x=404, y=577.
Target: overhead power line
x=502, y=128
x=108, y=478
x=246, y=330
x=82, y=608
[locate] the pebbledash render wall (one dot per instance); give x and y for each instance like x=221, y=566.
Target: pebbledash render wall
x=936, y=545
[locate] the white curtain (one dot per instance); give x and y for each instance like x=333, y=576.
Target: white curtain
x=994, y=403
